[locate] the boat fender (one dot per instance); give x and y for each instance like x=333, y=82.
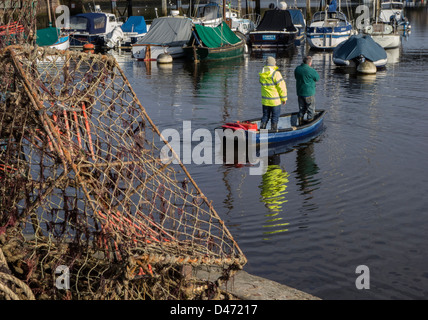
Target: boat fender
x=164, y=58
x=88, y=48
x=366, y=67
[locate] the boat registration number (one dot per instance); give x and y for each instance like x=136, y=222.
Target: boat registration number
x=269, y=37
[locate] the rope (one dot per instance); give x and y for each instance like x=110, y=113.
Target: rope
x=15, y=282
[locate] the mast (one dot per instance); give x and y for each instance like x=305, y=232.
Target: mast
x=49, y=13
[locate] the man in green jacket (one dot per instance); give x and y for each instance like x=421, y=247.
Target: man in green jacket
x=274, y=93
x=306, y=78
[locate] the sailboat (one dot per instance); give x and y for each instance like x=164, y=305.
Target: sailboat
x=328, y=28
x=52, y=37
x=384, y=28
x=209, y=15
x=392, y=11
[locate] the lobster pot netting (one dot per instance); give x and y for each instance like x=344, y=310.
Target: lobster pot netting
x=83, y=186
x=17, y=22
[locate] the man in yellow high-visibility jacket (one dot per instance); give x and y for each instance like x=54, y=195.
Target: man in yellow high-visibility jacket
x=274, y=93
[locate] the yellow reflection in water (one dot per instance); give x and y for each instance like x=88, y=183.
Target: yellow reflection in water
x=273, y=190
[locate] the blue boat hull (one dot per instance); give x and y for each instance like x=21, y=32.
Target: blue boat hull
x=288, y=129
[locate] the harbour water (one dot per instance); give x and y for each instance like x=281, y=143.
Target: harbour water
x=354, y=195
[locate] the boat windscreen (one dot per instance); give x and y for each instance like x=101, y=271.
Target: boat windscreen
x=78, y=23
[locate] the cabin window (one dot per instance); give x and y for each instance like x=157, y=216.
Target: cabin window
x=99, y=23
x=112, y=19
x=209, y=12
x=78, y=23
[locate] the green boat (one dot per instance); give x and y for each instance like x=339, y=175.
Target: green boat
x=214, y=43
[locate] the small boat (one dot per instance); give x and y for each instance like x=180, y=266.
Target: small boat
x=328, y=28
x=91, y=28
x=275, y=31
x=388, y=25
x=288, y=128
x=214, y=43
x=166, y=35
x=357, y=49
x=392, y=11
x=52, y=37
x=130, y=32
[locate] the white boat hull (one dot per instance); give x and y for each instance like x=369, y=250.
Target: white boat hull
x=349, y=63
x=139, y=52
x=326, y=40
x=63, y=43
x=388, y=41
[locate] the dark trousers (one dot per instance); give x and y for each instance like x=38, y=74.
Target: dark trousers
x=307, y=105
x=271, y=113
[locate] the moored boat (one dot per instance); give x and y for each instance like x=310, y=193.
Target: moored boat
x=128, y=33
x=328, y=29
x=165, y=35
x=91, y=28
x=53, y=38
x=357, y=49
x=214, y=43
x=275, y=31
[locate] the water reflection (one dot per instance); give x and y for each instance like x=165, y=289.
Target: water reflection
x=272, y=191
x=306, y=171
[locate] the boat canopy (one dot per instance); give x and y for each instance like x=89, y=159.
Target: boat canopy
x=359, y=45
x=209, y=11
x=92, y=23
x=135, y=24
x=276, y=20
x=47, y=36
x=171, y=31
x=215, y=37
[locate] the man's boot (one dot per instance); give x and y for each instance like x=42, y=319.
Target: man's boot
x=263, y=125
x=274, y=127
x=300, y=121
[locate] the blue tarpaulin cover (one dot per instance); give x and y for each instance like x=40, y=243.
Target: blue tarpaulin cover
x=358, y=45
x=135, y=24
x=91, y=22
x=297, y=16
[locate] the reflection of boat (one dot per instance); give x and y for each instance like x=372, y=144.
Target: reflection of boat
x=214, y=43
x=328, y=28
x=166, y=34
x=276, y=30
x=91, y=27
x=357, y=48
x=288, y=128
